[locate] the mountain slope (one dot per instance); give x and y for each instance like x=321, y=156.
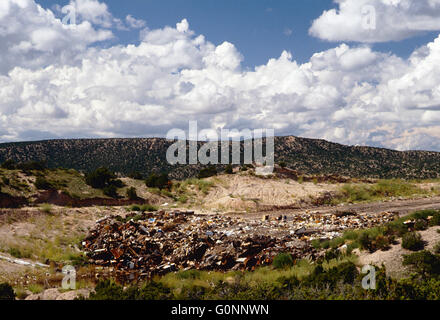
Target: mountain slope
x=146, y=155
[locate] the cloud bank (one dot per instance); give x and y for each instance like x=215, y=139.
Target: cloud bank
x=394, y=20
x=54, y=82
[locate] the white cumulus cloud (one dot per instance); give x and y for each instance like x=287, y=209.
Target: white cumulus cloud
x=372, y=21
x=347, y=94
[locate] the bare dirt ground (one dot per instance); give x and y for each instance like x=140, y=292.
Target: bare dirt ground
x=393, y=258
x=246, y=192
x=402, y=207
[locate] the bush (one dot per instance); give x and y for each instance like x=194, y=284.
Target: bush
x=136, y=175
x=110, y=191
x=366, y=242
x=117, y=183
x=158, y=181
x=100, y=178
x=420, y=225
x=229, y=169
x=32, y=165
x=283, y=261
x=42, y=184
x=435, y=221
x=153, y=291
x=382, y=242
x=9, y=165
x=107, y=290
x=283, y=164
x=46, y=208
x=131, y=194
x=424, y=262
x=437, y=248
x=207, y=172
x=413, y=241
x=6, y=292
x=345, y=272
x=148, y=208
x=332, y=254
x=6, y=181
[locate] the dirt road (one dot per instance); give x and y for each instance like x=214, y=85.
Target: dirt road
x=402, y=207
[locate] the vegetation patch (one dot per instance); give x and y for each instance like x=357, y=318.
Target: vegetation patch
x=381, y=237
x=354, y=193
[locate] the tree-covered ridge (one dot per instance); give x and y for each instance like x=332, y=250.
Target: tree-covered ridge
x=147, y=155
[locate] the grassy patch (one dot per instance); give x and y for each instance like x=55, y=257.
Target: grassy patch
x=354, y=193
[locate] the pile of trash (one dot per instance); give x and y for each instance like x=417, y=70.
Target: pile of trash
x=314, y=225
x=157, y=243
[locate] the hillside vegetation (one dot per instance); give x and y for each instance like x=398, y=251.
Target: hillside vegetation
x=145, y=156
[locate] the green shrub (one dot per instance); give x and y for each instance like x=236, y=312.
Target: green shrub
x=100, y=178
x=118, y=183
x=332, y=254
x=158, y=181
x=9, y=165
x=6, y=181
x=6, y=292
x=207, y=172
x=366, y=242
x=437, y=248
x=435, y=221
x=110, y=191
x=283, y=164
x=149, y=208
x=189, y=274
x=424, y=262
x=136, y=175
x=283, y=261
x=382, y=242
x=108, y=290
x=135, y=208
x=413, y=241
x=16, y=253
x=229, y=169
x=344, y=273
x=46, y=208
x=420, y=225
x=153, y=291
x=131, y=193
x=32, y=165
x=42, y=184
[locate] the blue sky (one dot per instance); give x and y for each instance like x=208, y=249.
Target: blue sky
x=259, y=29
x=357, y=72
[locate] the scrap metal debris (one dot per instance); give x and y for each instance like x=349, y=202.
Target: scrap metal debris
x=147, y=244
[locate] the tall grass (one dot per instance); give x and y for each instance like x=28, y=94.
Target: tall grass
x=353, y=193
x=263, y=275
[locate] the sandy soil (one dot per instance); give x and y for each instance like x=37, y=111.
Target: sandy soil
x=241, y=192
x=392, y=259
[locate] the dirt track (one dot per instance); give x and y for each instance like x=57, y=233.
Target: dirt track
x=402, y=207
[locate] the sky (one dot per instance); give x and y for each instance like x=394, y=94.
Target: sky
x=357, y=72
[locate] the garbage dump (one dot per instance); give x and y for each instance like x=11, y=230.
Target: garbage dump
x=146, y=244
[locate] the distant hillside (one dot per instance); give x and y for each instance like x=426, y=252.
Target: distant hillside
x=308, y=156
